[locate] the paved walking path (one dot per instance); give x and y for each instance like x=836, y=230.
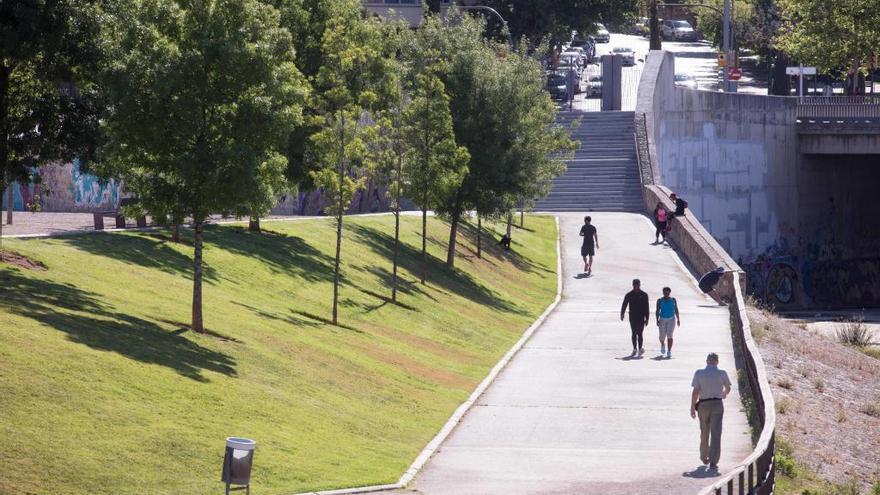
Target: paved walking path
x=572, y=414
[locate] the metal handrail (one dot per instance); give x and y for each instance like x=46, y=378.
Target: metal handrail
x=756, y=475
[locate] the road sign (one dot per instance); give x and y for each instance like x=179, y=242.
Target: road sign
x=734, y=73
x=796, y=71
x=722, y=59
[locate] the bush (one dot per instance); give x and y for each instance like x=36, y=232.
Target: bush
x=871, y=409
x=784, y=458
x=854, y=332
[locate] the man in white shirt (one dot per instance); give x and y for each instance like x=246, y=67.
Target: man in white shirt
x=711, y=386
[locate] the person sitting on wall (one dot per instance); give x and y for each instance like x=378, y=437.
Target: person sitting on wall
x=680, y=204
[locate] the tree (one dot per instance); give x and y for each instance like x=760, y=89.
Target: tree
x=503, y=116
x=829, y=35
x=348, y=86
x=556, y=19
x=48, y=99
x=434, y=164
x=201, y=97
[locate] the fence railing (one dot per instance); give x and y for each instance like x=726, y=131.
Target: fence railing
x=757, y=474
x=839, y=107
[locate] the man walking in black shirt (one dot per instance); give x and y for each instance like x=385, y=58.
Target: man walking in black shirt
x=591, y=244
x=639, y=313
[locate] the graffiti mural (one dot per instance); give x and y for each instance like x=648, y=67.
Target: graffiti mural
x=815, y=274
x=70, y=189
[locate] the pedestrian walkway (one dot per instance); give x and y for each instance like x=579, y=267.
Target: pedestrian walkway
x=572, y=413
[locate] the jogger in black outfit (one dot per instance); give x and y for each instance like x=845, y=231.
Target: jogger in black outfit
x=639, y=313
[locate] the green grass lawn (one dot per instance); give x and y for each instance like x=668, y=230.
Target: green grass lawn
x=103, y=391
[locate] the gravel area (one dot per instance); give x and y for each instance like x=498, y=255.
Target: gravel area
x=827, y=398
x=27, y=223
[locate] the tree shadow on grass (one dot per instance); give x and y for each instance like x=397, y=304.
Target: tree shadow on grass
x=491, y=246
x=453, y=280
x=138, y=249
x=281, y=252
x=88, y=321
x=408, y=287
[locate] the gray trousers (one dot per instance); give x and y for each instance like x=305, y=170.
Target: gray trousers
x=711, y=413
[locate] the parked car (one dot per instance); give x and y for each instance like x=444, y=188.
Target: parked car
x=556, y=86
x=641, y=27
x=579, y=52
x=686, y=81
x=602, y=35
x=594, y=86
x=627, y=54
x=678, y=31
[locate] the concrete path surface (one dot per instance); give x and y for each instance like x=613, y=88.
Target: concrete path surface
x=572, y=413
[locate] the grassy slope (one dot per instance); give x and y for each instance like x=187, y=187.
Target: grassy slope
x=101, y=392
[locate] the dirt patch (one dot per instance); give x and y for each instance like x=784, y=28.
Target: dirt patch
x=21, y=261
x=827, y=399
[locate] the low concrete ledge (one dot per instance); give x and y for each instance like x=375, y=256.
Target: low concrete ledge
x=755, y=474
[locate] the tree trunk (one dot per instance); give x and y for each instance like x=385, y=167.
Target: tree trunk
x=453, y=236
x=654, y=26
x=175, y=234
x=1, y=226
x=509, y=223
x=339, y=206
x=424, y=243
x=336, y=267
x=4, y=150
x=479, y=236
x=197, y=321
x=522, y=218
x=254, y=224
x=397, y=196
x=780, y=84
x=10, y=202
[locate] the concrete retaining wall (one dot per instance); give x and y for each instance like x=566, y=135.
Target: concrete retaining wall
x=734, y=157
x=703, y=253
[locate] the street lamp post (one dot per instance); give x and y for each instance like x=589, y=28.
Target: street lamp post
x=495, y=14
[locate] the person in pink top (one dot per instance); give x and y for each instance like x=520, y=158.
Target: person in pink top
x=661, y=219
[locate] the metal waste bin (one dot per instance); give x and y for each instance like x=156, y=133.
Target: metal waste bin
x=237, y=464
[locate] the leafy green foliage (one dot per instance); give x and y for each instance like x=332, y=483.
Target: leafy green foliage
x=829, y=34
x=49, y=101
x=202, y=96
x=537, y=19
x=500, y=113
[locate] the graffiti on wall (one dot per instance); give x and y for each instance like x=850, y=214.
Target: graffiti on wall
x=70, y=189
x=22, y=196
x=816, y=273
x=370, y=199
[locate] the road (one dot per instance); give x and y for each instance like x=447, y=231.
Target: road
x=697, y=59
x=572, y=412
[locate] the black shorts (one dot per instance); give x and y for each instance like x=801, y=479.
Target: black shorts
x=588, y=250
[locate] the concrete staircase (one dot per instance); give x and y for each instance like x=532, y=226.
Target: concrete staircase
x=604, y=174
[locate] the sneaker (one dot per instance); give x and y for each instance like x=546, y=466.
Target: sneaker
x=634, y=353
x=668, y=354
x=662, y=350
x=641, y=351
x=713, y=467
